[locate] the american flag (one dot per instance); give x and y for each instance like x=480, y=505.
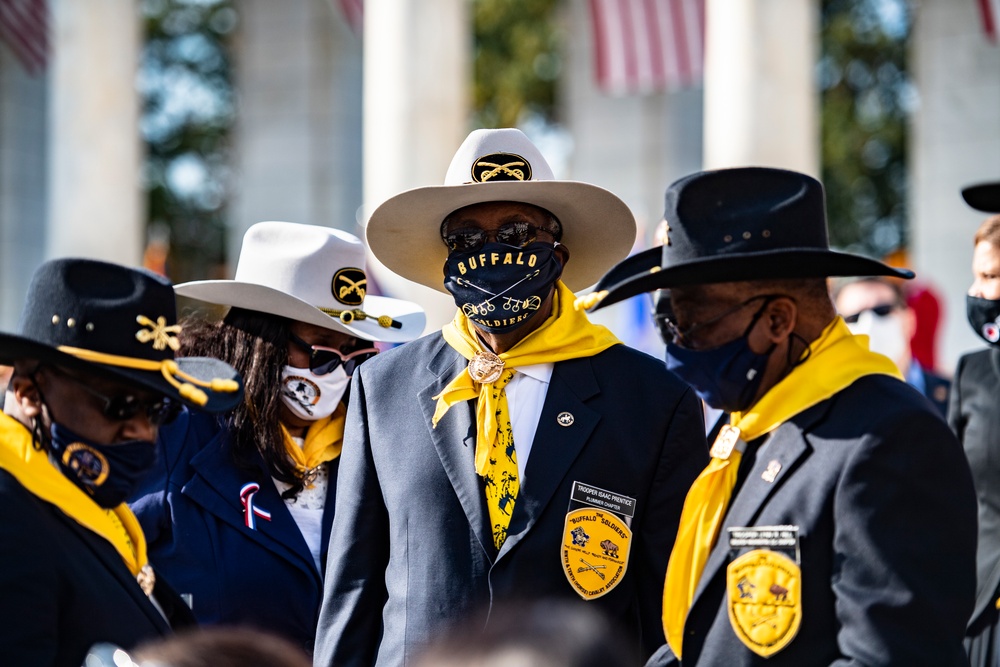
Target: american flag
x=990, y=11
x=648, y=46
x=24, y=27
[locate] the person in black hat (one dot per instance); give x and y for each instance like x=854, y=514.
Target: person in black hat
x=94, y=377
x=836, y=521
x=974, y=414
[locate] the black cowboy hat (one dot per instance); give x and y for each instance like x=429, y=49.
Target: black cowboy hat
x=749, y=223
x=983, y=196
x=119, y=323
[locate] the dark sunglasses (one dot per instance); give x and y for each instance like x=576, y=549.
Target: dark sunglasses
x=323, y=360
x=122, y=407
x=671, y=333
x=881, y=310
x=516, y=234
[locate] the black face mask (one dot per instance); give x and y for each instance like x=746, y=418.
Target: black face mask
x=107, y=473
x=984, y=316
x=498, y=286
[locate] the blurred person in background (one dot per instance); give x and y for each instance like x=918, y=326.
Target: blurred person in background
x=239, y=507
x=95, y=376
x=218, y=646
x=531, y=633
x=974, y=414
x=876, y=307
x=521, y=450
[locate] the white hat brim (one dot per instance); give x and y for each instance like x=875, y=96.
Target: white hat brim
x=260, y=298
x=404, y=232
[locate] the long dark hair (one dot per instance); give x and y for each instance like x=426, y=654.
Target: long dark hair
x=255, y=344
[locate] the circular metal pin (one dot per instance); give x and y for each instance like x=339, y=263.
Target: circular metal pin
x=565, y=419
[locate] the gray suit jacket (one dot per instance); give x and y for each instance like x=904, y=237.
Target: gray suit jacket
x=411, y=547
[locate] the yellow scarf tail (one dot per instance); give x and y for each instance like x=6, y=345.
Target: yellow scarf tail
x=38, y=475
x=566, y=334
x=835, y=360
x=323, y=442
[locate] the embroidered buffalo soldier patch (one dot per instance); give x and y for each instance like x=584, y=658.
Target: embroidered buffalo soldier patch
x=349, y=286
x=595, y=551
x=501, y=167
x=764, y=591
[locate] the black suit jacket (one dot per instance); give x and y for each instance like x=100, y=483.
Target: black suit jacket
x=974, y=415
x=883, y=500
x=411, y=548
x=64, y=588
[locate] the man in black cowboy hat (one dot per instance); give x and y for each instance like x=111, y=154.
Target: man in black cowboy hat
x=94, y=376
x=521, y=451
x=836, y=521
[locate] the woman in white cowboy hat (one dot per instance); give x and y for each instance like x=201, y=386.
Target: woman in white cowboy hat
x=240, y=512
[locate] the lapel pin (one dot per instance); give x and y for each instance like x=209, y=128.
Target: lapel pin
x=565, y=419
x=250, y=511
x=771, y=471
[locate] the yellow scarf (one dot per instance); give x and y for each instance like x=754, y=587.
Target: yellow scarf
x=566, y=334
x=835, y=360
x=323, y=442
x=36, y=473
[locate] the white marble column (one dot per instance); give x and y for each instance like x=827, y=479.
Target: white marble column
x=96, y=202
x=955, y=141
x=416, y=101
x=297, y=73
x=761, y=101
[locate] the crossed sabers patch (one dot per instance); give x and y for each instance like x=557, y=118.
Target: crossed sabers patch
x=349, y=286
x=501, y=167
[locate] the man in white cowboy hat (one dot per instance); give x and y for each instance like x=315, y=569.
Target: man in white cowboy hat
x=238, y=510
x=836, y=522
x=94, y=378
x=519, y=452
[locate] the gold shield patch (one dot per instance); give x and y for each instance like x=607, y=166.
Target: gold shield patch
x=765, y=600
x=595, y=551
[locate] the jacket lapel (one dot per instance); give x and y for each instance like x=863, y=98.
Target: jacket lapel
x=556, y=446
x=109, y=557
x=787, y=446
x=216, y=487
x=454, y=439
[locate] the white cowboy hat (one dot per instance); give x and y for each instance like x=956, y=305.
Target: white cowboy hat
x=404, y=232
x=314, y=275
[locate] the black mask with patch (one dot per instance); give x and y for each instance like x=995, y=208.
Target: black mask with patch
x=499, y=286
x=984, y=317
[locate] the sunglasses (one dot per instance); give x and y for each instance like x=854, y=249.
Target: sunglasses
x=516, y=234
x=323, y=360
x=123, y=407
x=881, y=310
x=671, y=333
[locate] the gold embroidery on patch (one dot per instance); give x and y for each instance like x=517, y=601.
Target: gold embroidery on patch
x=349, y=286
x=764, y=591
x=159, y=333
x=595, y=551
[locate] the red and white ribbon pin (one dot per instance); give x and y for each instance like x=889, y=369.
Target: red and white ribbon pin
x=250, y=512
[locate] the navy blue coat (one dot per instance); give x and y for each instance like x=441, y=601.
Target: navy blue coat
x=191, y=512
x=883, y=499
x=413, y=548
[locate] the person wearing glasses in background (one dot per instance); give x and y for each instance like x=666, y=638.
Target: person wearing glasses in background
x=239, y=509
x=94, y=377
x=835, y=524
x=876, y=307
x=974, y=415
x=520, y=451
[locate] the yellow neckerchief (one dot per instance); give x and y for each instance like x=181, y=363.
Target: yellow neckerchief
x=38, y=475
x=566, y=334
x=323, y=442
x=835, y=360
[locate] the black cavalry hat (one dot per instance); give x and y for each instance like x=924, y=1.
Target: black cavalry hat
x=120, y=323
x=749, y=223
x=983, y=196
